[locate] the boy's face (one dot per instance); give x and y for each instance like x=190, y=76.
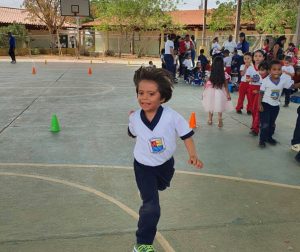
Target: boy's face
x=275, y=71
x=148, y=96
x=263, y=72
x=247, y=59
x=286, y=63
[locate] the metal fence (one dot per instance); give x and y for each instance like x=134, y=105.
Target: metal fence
x=103, y=43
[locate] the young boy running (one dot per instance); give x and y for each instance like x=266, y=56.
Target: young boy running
x=156, y=128
x=270, y=92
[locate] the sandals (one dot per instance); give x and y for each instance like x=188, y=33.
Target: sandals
x=209, y=122
x=220, y=124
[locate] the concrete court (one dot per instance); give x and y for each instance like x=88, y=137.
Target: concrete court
x=75, y=190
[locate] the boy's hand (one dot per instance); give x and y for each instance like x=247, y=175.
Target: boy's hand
x=261, y=108
x=195, y=162
x=255, y=91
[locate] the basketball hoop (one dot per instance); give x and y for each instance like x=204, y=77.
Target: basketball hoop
x=75, y=9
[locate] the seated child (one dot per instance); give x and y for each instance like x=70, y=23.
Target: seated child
x=188, y=67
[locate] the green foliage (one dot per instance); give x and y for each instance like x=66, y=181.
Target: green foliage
x=269, y=16
x=18, y=30
x=127, y=15
x=223, y=17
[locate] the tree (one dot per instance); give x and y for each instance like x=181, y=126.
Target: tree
x=18, y=30
x=127, y=16
x=48, y=12
x=268, y=16
x=222, y=18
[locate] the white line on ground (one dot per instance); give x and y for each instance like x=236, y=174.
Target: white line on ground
x=159, y=237
x=43, y=165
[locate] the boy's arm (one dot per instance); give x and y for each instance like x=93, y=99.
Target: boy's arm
x=261, y=95
x=193, y=158
x=295, y=86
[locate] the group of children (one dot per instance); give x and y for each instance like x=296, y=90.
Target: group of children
x=262, y=83
x=156, y=127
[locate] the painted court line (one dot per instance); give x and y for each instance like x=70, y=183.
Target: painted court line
x=159, y=237
x=42, y=165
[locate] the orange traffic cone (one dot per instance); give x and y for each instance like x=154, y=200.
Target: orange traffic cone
x=33, y=70
x=193, y=123
x=90, y=71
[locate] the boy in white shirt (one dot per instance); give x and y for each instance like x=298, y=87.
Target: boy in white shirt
x=188, y=67
x=156, y=129
x=227, y=61
x=287, y=69
x=268, y=101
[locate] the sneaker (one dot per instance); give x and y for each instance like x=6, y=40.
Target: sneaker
x=239, y=111
x=143, y=248
x=249, y=112
x=262, y=144
x=297, y=157
x=296, y=147
x=253, y=133
x=272, y=141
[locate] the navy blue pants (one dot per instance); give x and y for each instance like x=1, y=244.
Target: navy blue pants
x=287, y=95
x=267, y=121
x=169, y=63
x=149, y=180
x=296, y=138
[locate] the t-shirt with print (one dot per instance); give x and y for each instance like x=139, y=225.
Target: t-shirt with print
x=156, y=140
x=227, y=61
x=254, y=75
x=272, y=91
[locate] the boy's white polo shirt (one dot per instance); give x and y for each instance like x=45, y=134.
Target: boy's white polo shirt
x=156, y=141
x=272, y=91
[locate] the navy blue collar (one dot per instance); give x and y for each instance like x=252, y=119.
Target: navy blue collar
x=275, y=82
x=151, y=125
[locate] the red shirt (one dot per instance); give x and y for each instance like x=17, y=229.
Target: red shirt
x=182, y=48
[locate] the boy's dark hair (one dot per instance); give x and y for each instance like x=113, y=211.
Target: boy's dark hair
x=150, y=62
x=217, y=75
x=248, y=54
x=202, y=51
x=288, y=59
x=163, y=78
x=226, y=52
x=274, y=62
x=263, y=66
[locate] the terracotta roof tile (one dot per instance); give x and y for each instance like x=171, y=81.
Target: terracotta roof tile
x=19, y=16
x=183, y=17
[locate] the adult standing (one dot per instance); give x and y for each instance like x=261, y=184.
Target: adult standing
x=229, y=44
x=243, y=45
x=12, y=47
x=193, y=50
x=215, y=48
x=296, y=138
x=169, y=53
x=278, y=52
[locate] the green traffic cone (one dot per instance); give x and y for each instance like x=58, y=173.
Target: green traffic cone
x=54, y=124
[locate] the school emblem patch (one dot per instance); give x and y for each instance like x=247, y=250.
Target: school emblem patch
x=275, y=94
x=156, y=145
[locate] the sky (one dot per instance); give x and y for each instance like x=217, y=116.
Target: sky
x=186, y=4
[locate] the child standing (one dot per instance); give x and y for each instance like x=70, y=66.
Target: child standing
x=263, y=69
x=156, y=128
x=244, y=85
x=287, y=69
x=227, y=61
x=268, y=102
x=216, y=97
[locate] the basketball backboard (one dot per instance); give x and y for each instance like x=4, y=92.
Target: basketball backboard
x=80, y=8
